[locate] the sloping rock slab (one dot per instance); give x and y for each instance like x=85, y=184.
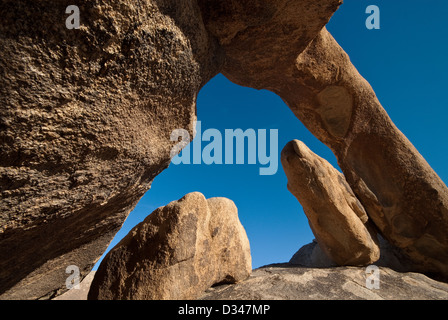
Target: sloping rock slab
x=81, y=292
x=288, y=282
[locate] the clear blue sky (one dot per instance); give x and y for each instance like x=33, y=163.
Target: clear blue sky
x=406, y=64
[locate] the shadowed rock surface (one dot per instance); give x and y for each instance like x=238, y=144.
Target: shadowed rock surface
x=312, y=256
x=85, y=123
x=177, y=252
x=288, y=282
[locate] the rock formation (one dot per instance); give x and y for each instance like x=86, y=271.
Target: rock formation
x=344, y=234
x=283, y=46
x=312, y=256
x=288, y=282
x=85, y=122
x=177, y=252
x=86, y=116
x=335, y=215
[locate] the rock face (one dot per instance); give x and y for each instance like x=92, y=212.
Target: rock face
x=400, y=192
x=81, y=292
x=86, y=116
x=288, y=282
x=261, y=38
x=312, y=256
x=85, y=122
x=177, y=252
x=335, y=215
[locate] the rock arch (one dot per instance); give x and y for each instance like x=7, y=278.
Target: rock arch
x=86, y=116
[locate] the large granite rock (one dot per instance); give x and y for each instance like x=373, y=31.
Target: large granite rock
x=289, y=282
x=283, y=46
x=336, y=217
x=177, y=252
x=85, y=122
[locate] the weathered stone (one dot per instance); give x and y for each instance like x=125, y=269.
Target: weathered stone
x=85, y=122
x=261, y=38
x=312, y=256
x=335, y=215
x=335, y=109
x=401, y=193
x=286, y=281
x=78, y=293
x=289, y=282
x=86, y=116
x=177, y=252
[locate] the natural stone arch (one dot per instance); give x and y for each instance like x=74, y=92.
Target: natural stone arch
x=311, y=72
x=73, y=103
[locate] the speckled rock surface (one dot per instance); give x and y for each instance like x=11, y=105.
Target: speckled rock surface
x=85, y=121
x=288, y=282
x=307, y=68
x=336, y=217
x=177, y=252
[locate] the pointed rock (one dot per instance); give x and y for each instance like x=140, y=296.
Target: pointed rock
x=337, y=218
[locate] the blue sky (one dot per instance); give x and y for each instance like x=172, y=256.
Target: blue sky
x=406, y=62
